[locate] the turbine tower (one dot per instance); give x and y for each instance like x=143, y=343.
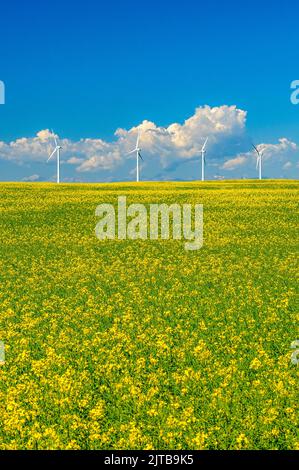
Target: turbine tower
x=203, y=159
x=57, y=151
x=137, y=149
x=258, y=160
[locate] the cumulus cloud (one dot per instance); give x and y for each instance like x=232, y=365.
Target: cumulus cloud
x=184, y=141
x=284, y=148
x=234, y=163
x=177, y=141
x=31, y=178
x=38, y=148
x=281, y=153
x=45, y=135
x=164, y=148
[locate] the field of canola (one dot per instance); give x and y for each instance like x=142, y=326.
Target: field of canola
x=142, y=344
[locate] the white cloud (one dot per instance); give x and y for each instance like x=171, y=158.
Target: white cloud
x=234, y=162
x=164, y=148
x=31, y=178
x=177, y=141
x=45, y=135
x=75, y=161
x=38, y=148
x=279, y=153
x=184, y=141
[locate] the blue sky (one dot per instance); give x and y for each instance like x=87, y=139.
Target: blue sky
x=87, y=69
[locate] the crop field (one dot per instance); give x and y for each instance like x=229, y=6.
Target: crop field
x=140, y=344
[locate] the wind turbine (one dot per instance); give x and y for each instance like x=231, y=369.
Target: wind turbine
x=203, y=159
x=259, y=160
x=57, y=151
x=137, y=149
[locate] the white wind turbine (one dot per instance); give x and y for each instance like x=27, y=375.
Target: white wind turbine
x=203, y=159
x=57, y=151
x=259, y=160
x=137, y=149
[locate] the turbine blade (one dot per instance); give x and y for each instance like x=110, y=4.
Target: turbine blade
x=256, y=149
x=139, y=155
x=54, y=138
x=204, y=145
x=138, y=138
x=132, y=151
x=52, y=154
